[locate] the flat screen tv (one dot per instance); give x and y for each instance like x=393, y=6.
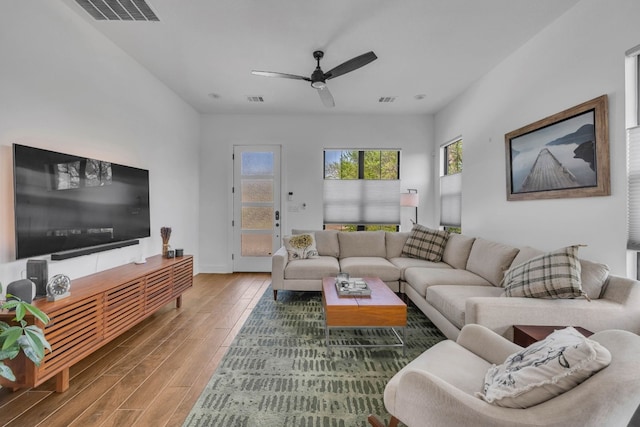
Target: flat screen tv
x=65, y=202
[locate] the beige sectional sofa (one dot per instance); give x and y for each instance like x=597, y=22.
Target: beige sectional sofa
x=464, y=287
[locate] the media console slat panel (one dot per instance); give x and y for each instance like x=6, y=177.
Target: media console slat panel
x=123, y=306
x=101, y=307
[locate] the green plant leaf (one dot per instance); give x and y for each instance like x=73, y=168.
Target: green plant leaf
x=32, y=354
x=11, y=335
x=9, y=354
x=20, y=311
x=39, y=335
x=10, y=305
x=34, y=341
x=6, y=372
x=39, y=314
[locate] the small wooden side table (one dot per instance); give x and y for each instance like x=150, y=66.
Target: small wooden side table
x=525, y=335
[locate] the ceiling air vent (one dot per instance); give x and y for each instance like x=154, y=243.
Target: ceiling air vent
x=118, y=10
x=387, y=99
x=255, y=99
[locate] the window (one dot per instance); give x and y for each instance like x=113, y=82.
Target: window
x=362, y=190
x=451, y=186
x=633, y=149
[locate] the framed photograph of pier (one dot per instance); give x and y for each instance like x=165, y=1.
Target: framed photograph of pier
x=563, y=155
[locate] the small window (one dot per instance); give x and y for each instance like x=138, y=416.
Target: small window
x=451, y=187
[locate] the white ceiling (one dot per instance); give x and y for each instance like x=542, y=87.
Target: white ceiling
x=432, y=47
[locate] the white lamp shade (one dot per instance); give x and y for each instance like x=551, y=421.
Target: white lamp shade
x=409, y=200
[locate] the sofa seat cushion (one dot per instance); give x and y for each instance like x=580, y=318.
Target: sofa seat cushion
x=422, y=278
x=371, y=267
x=450, y=301
x=362, y=244
x=314, y=268
x=403, y=263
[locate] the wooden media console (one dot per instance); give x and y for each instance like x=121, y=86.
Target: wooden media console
x=100, y=308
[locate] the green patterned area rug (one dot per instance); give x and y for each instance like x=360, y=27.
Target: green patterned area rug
x=276, y=372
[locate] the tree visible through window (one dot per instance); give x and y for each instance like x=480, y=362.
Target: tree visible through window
x=453, y=158
x=451, y=187
x=362, y=165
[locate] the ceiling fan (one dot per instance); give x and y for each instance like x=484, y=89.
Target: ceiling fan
x=318, y=77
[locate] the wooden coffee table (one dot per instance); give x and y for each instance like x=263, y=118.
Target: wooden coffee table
x=381, y=309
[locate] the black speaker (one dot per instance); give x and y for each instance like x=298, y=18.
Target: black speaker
x=37, y=272
x=23, y=289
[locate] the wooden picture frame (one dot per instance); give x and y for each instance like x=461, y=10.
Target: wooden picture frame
x=563, y=155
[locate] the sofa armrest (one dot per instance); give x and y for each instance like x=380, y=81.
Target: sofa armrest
x=501, y=313
x=486, y=344
x=423, y=396
x=279, y=262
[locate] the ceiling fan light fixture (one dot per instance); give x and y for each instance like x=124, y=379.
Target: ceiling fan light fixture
x=318, y=84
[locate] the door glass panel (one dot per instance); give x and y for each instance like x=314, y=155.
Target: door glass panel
x=257, y=190
x=257, y=218
x=257, y=163
x=256, y=244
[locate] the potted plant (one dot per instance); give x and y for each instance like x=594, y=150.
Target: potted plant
x=20, y=337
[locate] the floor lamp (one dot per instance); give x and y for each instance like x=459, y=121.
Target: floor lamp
x=410, y=199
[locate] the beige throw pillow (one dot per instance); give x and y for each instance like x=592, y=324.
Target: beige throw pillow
x=544, y=370
x=301, y=246
x=425, y=243
x=552, y=275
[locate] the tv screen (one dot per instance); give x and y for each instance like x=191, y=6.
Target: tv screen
x=65, y=202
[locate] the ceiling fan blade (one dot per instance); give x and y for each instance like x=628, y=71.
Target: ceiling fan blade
x=350, y=65
x=326, y=97
x=281, y=75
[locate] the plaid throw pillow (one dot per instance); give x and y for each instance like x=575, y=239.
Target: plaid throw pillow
x=425, y=243
x=552, y=275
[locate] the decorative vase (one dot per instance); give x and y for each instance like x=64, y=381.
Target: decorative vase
x=165, y=249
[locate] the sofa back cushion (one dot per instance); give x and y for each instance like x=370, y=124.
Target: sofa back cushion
x=456, y=253
x=326, y=241
x=362, y=243
x=395, y=242
x=525, y=254
x=594, y=276
x=490, y=260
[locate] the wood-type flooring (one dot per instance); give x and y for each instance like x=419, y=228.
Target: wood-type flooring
x=152, y=374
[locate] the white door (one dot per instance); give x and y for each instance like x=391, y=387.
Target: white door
x=256, y=206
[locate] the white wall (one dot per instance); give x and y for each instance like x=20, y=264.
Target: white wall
x=575, y=59
x=303, y=139
x=64, y=87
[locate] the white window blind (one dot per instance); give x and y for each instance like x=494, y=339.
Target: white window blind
x=633, y=195
x=361, y=201
x=451, y=200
